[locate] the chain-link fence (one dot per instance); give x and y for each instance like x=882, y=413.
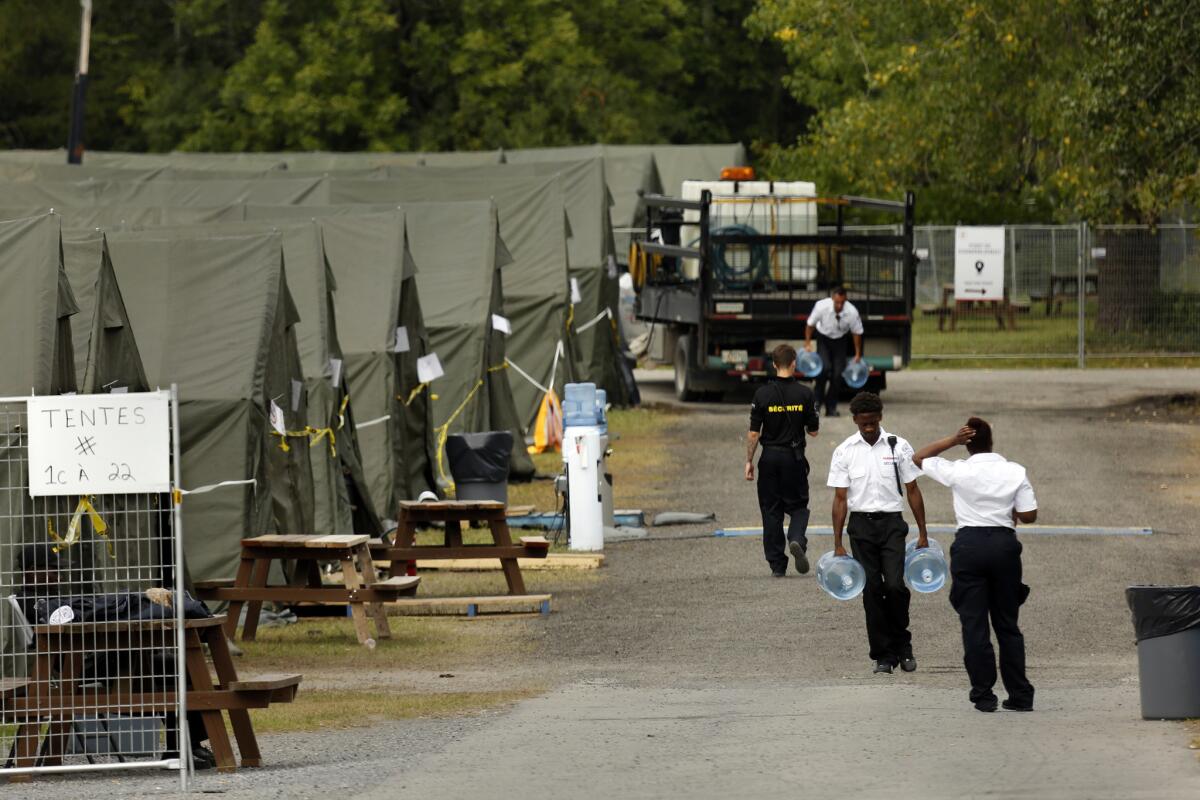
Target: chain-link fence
x=91, y=644
x=1072, y=292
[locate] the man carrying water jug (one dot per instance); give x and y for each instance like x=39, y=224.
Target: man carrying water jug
x=780, y=414
x=870, y=474
x=832, y=319
x=991, y=495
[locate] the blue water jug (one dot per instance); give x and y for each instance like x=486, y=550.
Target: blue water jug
x=841, y=577
x=601, y=410
x=579, y=405
x=925, y=569
x=809, y=364
x=855, y=374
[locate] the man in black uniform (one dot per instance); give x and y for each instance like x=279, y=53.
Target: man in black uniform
x=782, y=411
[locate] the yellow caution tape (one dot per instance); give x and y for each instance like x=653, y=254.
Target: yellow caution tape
x=73, y=527
x=413, y=394
x=317, y=434
x=342, y=411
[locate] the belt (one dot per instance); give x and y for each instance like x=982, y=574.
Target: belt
x=876, y=514
x=787, y=447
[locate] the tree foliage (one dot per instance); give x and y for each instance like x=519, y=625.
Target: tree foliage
x=998, y=111
x=392, y=74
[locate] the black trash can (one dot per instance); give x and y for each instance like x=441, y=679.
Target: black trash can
x=1167, y=622
x=479, y=464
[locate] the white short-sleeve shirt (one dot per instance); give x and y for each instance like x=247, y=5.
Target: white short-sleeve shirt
x=833, y=324
x=987, y=488
x=868, y=472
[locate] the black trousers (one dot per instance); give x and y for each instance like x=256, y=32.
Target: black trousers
x=985, y=567
x=877, y=542
x=782, y=489
x=834, y=353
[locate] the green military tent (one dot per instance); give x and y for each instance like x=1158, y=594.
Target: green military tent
x=191, y=192
x=213, y=314
x=342, y=503
x=35, y=309
x=382, y=335
x=458, y=255
x=533, y=224
x=106, y=352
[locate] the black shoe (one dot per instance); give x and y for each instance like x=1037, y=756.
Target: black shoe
x=1011, y=706
x=779, y=573
x=884, y=667
x=908, y=663
x=987, y=706
x=203, y=758
x=833, y=413
x=799, y=555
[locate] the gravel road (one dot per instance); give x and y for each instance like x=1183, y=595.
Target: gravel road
x=688, y=671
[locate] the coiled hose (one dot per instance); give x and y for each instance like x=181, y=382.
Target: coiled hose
x=757, y=271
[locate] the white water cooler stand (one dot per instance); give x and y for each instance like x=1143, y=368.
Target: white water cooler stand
x=584, y=449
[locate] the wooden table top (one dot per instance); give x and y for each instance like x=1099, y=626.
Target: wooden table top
x=332, y=541
x=452, y=505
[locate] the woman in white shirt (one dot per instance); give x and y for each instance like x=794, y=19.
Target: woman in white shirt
x=991, y=494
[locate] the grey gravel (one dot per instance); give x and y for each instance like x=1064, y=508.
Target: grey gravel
x=688, y=672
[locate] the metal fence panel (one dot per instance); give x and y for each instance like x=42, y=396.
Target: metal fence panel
x=1147, y=291
x=1073, y=292
x=91, y=646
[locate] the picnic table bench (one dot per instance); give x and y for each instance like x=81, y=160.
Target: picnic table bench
x=55, y=690
x=403, y=549
x=1066, y=287
x=360, y=586
x=1002, y=309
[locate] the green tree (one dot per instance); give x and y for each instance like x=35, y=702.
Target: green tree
x=317, y=76
x=957, y=100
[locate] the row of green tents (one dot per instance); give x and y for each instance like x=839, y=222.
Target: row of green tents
x=327, y=330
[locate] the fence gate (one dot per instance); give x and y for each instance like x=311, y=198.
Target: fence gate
x=91, y=595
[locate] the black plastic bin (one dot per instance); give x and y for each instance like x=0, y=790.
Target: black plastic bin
x=479, y=464
x=1167, y=622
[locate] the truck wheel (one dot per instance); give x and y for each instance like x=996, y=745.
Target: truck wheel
x=683, y=384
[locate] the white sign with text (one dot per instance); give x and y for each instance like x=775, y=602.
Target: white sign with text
x=99, y=444
x=978, y=263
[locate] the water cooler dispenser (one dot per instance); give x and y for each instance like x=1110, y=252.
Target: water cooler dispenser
x=585, y=454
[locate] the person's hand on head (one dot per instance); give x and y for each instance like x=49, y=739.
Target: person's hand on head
x=964, y=435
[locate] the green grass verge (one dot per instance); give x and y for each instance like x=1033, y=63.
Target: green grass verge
x=1036, y=338
x=323, y=709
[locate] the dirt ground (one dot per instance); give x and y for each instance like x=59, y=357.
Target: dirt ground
x=684, y=669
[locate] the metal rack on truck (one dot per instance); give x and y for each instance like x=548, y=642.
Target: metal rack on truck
x=725, y=277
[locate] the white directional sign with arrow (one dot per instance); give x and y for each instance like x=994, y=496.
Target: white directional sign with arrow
x=978, y=263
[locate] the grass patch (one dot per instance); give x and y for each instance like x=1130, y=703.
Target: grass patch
x=1036, y=336
x=330, y=645
x=323, y=709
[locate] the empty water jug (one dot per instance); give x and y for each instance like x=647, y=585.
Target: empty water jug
x=809, y=364
x=579, y=405
x=841, y=577
x=855, y=374
x=925, y=568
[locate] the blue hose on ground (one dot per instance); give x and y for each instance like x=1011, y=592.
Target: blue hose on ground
x=738, y=278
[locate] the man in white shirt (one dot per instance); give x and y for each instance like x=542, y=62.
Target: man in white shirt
x=991, y=495
x=831, y=319
x=867, y=474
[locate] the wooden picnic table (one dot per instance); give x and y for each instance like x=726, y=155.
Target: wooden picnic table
x=403, y=549
x=1003, y=309
x=55, y=691
x=360, y=583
